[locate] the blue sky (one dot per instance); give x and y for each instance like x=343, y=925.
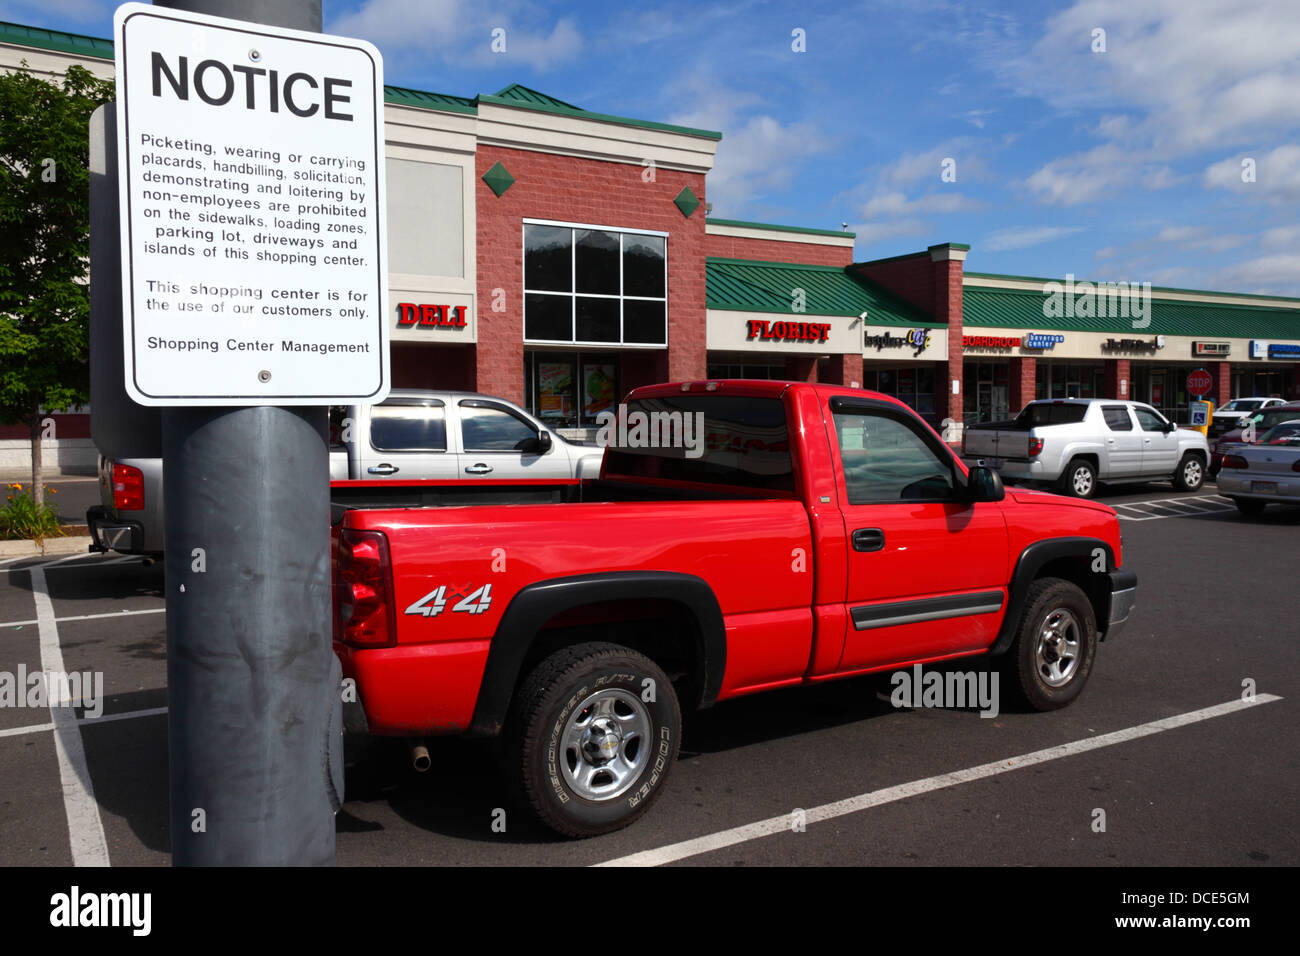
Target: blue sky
x=1122, y=164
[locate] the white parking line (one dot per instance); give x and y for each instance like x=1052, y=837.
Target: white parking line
x=828, y=811
x=90, y=617
x=103, y=719
x=85, y=828
x=63, y=563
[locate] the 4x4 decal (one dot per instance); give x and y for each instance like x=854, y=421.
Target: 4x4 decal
x=472, y=600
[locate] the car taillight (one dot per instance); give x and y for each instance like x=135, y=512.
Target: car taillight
x=128, y=488
x=363, y=590
x=1295, y=465
x=1235, y=461
x=1035, y=447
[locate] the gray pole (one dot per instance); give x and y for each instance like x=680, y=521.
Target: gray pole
x=252, y=682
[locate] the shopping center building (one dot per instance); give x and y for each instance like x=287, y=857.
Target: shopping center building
x=559, y=257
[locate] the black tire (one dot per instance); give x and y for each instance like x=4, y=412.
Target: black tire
x=1250, y=507
x=1190, y=474
x=1027, y=669
x=1079, y=480
x=631, y=758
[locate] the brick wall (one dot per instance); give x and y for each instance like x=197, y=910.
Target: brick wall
x=910, y=278
x=771, y=250
x=1022, y=381
x=1118, y=370
x=947, y=308
x=570, y=189
x=1222, y=372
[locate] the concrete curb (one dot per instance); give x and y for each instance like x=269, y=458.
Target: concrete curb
x=28, y=549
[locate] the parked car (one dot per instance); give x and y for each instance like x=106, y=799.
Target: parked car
x=1267, y=471
x=1073, y=444
x=417, y=434
x=824, y=532
x=1260, y=421
x=1230, y=415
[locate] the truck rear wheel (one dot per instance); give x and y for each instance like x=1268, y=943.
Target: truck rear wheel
x=1079, y=479
x=595, y=731
x=1051, y=657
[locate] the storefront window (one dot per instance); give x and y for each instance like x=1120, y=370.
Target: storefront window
x=911, y=384
x=594, y=286
x=986, y=391
x=569, y=389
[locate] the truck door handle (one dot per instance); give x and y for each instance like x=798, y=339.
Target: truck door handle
x=383, y=469
x=868, y=539
x=479, y=469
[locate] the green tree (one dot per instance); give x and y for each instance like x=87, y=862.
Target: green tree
x=44, y=247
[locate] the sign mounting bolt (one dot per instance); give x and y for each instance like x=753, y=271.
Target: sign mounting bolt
x=264, y=376
x=254, y=55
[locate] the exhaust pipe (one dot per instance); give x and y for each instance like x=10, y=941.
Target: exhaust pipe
x=419, y=756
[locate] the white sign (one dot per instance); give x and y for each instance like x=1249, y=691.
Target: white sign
x=254, y=257
x=1200, y=412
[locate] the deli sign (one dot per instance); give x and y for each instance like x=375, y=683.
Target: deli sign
x=412, y=315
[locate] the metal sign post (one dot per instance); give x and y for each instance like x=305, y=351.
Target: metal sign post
x=253, y=282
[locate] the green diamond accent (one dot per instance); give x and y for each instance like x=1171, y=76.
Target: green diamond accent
x=686, y=202
x=499, y=180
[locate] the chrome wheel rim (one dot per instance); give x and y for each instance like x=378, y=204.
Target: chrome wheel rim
x=1056, y=655
x=1082, y=481
x=1192, y=473
x=605, y=744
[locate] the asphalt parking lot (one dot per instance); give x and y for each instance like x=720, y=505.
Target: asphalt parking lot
x=1161, y=746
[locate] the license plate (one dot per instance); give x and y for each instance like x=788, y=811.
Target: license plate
x=1264, y=487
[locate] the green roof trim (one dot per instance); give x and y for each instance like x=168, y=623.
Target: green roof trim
x=949, y=245
x=747, y=285
x=1023, y=309
x=775, y=228
x=498, y=179
x=420, y=99
x=598, y=117
x=531, y=97
x=1154, y=288
x=56, y=40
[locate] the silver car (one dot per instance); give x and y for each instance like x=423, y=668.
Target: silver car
x=1269, y=471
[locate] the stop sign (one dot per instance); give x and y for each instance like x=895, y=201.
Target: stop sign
x=1199, y=382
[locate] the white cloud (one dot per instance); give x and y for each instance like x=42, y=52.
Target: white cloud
x=1022, y=237
x=758, y=153
x=1276, y=172
x=411, y=32
x=1103, y=172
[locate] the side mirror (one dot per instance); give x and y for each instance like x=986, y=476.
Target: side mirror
x=539, y=445
x=984, y=484
x=1169, y=426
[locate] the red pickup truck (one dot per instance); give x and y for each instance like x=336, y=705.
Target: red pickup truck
x=804, y=533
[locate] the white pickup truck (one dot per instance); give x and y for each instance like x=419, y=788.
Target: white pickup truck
x=1075, y=443
x=439, y=435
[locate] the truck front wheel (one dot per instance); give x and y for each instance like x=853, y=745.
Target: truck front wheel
x=1190, y=474
x=1051, y=658
x=595, y=731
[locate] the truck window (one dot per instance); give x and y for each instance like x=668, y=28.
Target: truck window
x=1117, y=418
x=484, y=428
x=1149, y=420
x=1050, y=413
x=885, y=460
x=408, y=428
x=743, y=442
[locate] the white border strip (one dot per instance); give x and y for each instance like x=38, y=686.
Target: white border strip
x=104, y=719
x=828, y=811
x=85, y=828
x=90, y=617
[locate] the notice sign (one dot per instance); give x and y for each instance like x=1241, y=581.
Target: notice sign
x=254, y=262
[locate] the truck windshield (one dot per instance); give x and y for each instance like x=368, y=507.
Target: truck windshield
x=712, y=439
x=1050, y=413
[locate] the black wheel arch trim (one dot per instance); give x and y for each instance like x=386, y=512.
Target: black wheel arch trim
x=538, y=603
x=1030, y=562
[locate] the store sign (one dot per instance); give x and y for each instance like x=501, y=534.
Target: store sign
x=1042, y=340
x=251, y=182
x=1133, y=345
x=1258, y=349
x=411, y=315
x=990, y=341
x=1211, y=348
x=766, y=331
x=1283, y=351
x=916, y=339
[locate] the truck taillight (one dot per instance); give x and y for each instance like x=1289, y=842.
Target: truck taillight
x=1234, y=461
x=1035, y=447
x=363, y=590
x=128, y=488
